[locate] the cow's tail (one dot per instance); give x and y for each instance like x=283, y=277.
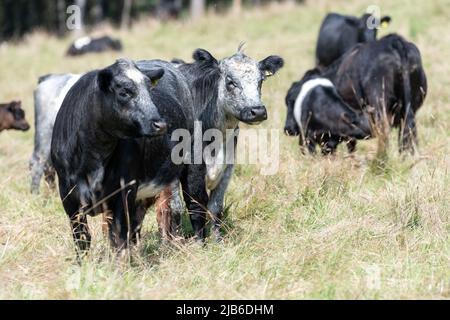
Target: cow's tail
x=400, y=46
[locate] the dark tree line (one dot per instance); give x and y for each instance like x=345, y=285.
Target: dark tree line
x=18, y=17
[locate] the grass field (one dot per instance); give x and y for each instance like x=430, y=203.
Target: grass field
x=322, y=227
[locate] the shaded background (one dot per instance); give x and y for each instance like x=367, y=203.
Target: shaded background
x=18, y=17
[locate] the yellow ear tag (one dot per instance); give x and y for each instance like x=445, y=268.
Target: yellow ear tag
x=268, y=73
x=155, y=82
x=384, y=24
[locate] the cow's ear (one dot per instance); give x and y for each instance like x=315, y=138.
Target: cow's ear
x=104, y=79
x=203, y=55
x=384, y=22
x=155, y=75
x=270, y=65
x=11, y=106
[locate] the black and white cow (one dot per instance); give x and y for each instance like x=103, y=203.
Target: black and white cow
x=388, y=76
x=93, y=45
x=339, y=33
x=101, y=108
x=317, y=113
x=225, y=92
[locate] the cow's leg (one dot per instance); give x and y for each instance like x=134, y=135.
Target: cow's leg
x=138, y=219
x=169, y=208
x=216, y=200
x=351, y=145
x=49, y=175
x=163, y=213
x=37, y=170
x=196, y=197
x=311, y=146
x=329, y=145
x=124, y=222
x=407, y=133
x=78, y=221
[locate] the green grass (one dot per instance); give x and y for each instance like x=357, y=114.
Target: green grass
x=323, y=227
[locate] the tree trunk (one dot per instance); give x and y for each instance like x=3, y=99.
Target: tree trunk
x=197, y=9
x=61, y=7
x=126, y=14
x=237, y=6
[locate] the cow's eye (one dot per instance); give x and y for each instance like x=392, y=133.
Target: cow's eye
x=125, y=94
x=230, y=83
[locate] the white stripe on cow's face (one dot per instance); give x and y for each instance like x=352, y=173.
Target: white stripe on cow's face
x=135, y=75
x=305, y=89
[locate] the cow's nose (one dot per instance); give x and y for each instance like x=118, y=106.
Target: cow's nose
x=258, y=113
x=159, y=126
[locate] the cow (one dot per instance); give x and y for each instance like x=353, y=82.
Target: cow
x=225, y=92
x=339, y=33
x=12, y=116
x=317, y=114
x=48, y=97
x=93, y=45
x=101, y=108
x=386, y=75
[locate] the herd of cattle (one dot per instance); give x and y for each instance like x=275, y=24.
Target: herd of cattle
x=106, y=133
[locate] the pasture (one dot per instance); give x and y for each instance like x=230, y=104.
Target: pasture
x=338, y=227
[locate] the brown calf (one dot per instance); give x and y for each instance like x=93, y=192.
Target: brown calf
x=12, y=116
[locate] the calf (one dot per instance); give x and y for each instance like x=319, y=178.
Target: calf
x=225, y=92
x=101, y=108
x=93, y=45
x=388, y=76
x=316, y=113
x=339, y=33
x=48, y=97
x=12, y=116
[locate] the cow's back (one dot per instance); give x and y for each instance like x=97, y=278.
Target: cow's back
x=336, y=36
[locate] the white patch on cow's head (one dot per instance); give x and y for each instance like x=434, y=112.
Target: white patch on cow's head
x=243, y=74
x=134, y=75
x=81, y=42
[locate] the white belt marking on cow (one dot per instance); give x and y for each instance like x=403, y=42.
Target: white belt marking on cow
x=80, y=43
x=306, y=88
x=56, y=103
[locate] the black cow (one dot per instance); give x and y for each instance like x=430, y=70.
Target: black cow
x=388, y=76
x=87, y=45
x=101, y=108
x=317, y=113
x=12, y=116
x=339, y=33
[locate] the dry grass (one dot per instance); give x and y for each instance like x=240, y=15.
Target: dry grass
x=321, y=228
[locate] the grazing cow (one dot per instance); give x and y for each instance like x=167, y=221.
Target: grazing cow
x=87, y=44
x=225, y=93
x=317, y=113
x=101, y=108
x=388, y=76
x=48, y=97
x=12, y=116
x=339, y=33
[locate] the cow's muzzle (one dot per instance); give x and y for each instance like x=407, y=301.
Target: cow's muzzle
x=252, y=115
x=155, y=128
